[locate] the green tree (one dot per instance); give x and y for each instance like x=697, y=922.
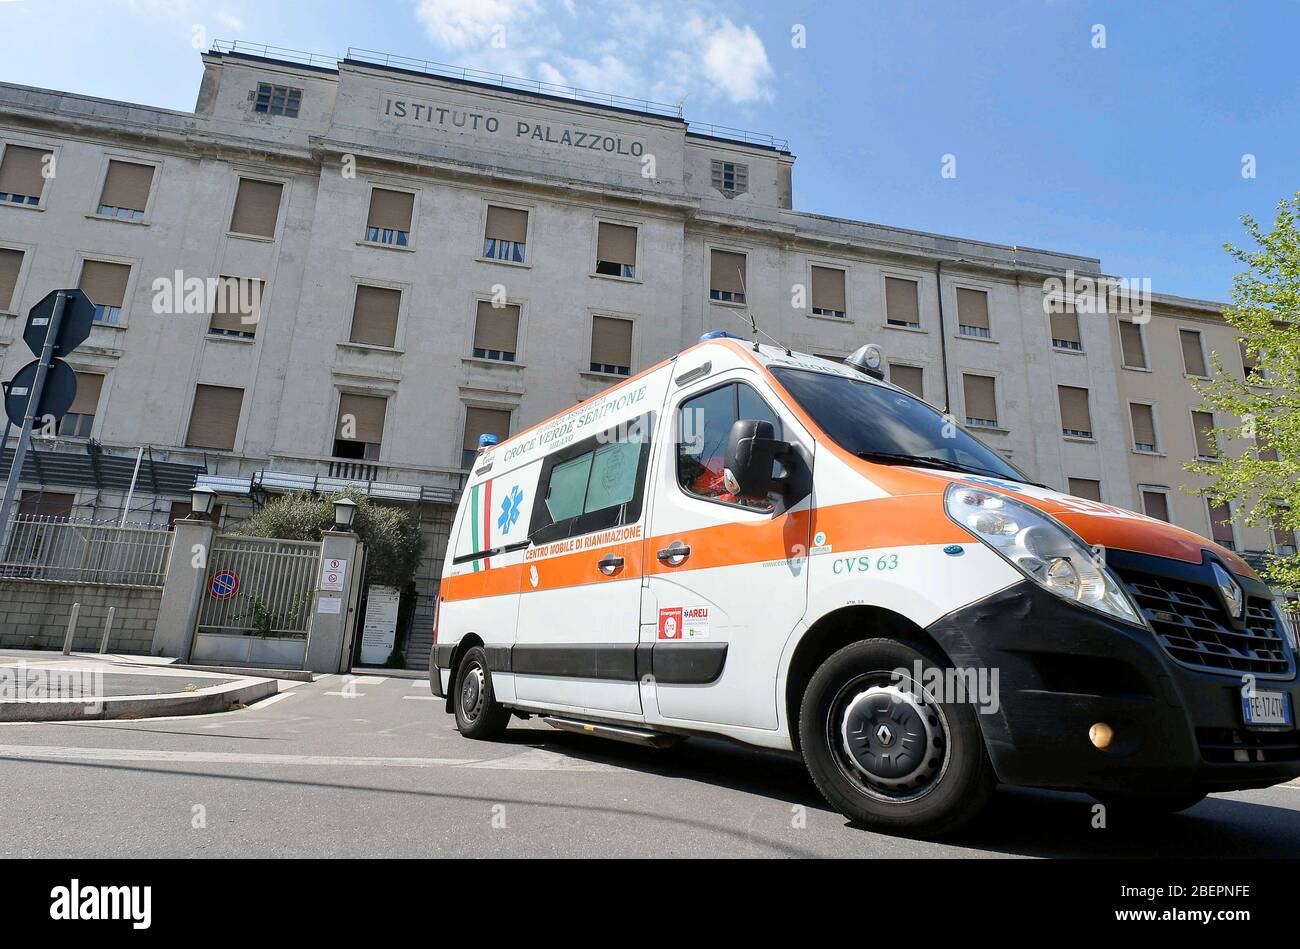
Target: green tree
x=1264, y=410
x=391, y=534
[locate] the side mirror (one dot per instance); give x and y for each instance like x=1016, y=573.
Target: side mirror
x=752, y=447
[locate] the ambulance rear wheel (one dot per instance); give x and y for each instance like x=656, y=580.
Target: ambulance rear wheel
x=478, y=714
x=884, y=750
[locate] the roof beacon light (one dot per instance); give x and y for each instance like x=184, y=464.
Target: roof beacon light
x=869, y=359
x=719, y=334
x=487, y=440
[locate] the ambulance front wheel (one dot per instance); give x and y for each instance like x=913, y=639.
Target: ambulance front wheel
x=478, y=714
x=887, y=752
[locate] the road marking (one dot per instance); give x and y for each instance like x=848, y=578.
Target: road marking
x=57, y=752
x=369, y=680
x=347, y=695
x=422, y=698
x=419, y=684
x=539, y=759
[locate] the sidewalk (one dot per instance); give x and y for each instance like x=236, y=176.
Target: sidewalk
x=44, y=686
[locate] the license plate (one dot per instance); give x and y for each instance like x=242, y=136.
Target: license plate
x=1267, y=708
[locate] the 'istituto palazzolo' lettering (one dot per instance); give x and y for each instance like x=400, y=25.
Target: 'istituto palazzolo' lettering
x=423, y=112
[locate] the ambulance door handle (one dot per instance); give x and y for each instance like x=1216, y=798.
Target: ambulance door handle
x=610, y=564
x=675, y=553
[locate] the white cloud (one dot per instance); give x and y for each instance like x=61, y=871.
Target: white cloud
x=735, y=59
x=230, y=19
x=465, y=24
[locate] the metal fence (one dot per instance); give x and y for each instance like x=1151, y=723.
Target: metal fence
x=267, y=589
x=55, y=548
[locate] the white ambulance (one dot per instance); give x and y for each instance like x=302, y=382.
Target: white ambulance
x=777, y=549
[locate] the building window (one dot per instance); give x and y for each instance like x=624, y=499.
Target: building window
x=1193, y=353
x=479, y=421
x=615, y=250
x=1221, y=524
x=126, y=190
x=214, y=419
x=22, y=175
x=374, y=316
x=1155, y=503
x=729, y=177
x=1284, y=542
x=1144, y=427
x=1203, y=423
x=496, y=331
x=179, y=510
x=981, y=400
x=611, y=345
x=277, y=100
x=1076, y=420
x=1065, y=329
x=726, y=276
x=1086, y=488
x=1132, y=345
x=11, y=263
x=973, y=313
x=910, y=378
x=257, y=207
x=389, y=220
x=237, y=308
x=901, y=303
x=105, y=284
x=1256, y=375
x=52, y=504
x=828, y=292
x=80, y=418
x=360, y=428
x=505, y=236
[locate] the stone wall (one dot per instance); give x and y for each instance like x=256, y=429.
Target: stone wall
x=34, y=615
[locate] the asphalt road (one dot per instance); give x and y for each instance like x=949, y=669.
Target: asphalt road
x=316, y=772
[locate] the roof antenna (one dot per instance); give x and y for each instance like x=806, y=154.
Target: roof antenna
x=753, y=320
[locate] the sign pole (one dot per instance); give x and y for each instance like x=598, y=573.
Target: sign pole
x=29, y=420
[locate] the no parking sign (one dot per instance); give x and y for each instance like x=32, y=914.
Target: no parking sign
x=224, y=584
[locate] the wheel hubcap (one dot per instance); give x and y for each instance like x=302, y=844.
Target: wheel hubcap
x=471, y=692
x=888, y=737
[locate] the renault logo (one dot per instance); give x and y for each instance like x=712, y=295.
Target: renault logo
x=1233, y=599
x=884, y=735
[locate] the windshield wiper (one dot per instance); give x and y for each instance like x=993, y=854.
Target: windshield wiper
x=930, y=461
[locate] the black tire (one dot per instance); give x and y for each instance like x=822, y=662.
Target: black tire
x=951, y=779
x=484, y=719
x=1133, y=804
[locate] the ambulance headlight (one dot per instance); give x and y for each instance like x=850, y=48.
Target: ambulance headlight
x=1042, y=548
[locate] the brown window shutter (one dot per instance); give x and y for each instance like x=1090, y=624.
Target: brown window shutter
x=257, y=206
x=910, y=378
x=1203, y=421
x=828, y=289
x=1155, y=504
x=11, y=261
x=127, y=185
x=901, y=300
x=1065, y=325
x=497, y=327
x=972, y=308
x=1193, y=356
x=506, y=224
x=374, y=315
x=484, y=422
x=1221, y=523
x=47, y=504
x=367, y=412
x=1266, y=453
x=1086, y=488
x=89, y=385
x=390, y=210
x=104, y=283
x=727, y=271
x=215, y=417
x=611, y=341
x=1144, y=424
x=1130, y=338
x=1074, y=408
x=237, y=305
x=615, y=243
x=20, y=172
x=981, y=397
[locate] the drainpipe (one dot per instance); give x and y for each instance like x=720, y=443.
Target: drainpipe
x=943, y=337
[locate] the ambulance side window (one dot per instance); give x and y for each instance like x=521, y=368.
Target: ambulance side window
x=703, y=425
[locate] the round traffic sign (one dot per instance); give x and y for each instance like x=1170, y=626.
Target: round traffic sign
x=56, y=395
x=224, y=584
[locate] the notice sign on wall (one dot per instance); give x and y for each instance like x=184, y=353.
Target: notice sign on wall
x=380, y=627
x=332, y=573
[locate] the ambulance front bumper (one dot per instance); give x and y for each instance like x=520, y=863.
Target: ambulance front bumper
x=1061, y=668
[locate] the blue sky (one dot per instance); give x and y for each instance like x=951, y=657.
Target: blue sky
x=1132, y=152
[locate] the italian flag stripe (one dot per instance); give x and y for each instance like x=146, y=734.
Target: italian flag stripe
x=473, y=524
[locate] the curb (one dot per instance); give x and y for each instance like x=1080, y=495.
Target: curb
x=298, y=675
x=203, y=702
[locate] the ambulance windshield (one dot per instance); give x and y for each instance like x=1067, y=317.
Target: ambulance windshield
x=880, y=423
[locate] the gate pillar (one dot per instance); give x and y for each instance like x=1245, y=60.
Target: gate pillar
x=183, y=589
